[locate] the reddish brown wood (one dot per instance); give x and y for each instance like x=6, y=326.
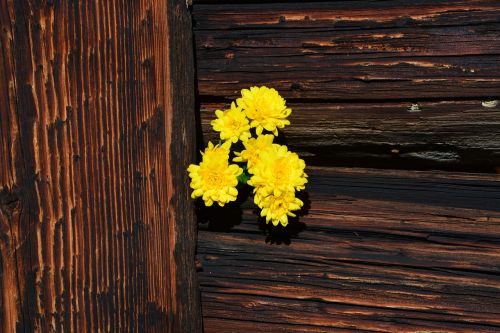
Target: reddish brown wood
x=351, y=49
x=352, y=69
x=448, y=134
x=97, y=231
x=381, y=251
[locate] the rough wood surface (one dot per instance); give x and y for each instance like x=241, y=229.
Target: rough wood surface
x=380, y=251
x=351, y=49
x=352, y=71
x=448, y=134
x=97, y=232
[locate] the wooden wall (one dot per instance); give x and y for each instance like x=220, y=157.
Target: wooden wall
x=372, y=83
x=388, y=84
x=97, y=230
x=377, y=251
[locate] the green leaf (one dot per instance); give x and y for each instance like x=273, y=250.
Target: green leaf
x=244, y=177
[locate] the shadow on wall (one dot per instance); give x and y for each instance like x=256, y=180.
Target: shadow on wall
x=224, y=219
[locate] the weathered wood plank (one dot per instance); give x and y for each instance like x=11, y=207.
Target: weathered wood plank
x=237, y=14
x=448, y=134
x=347, y=50
x=97, y=231
x=380, y=251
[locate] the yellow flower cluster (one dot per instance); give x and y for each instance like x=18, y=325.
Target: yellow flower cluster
x=232, y=124
x=276, y=175
x=214, y=179
x=265, y=107
x=275, y=172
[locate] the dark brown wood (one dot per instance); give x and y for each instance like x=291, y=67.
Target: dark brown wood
x=396, y=84
x=448, y=134
x=380, y=251
x=349, y=50
x=399, y=84
x=97, y=231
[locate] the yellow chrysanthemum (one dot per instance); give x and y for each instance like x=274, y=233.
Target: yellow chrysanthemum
x=278, y=170
x=253, y=148
x=232, y=124
x=265, y=108
x=217, y=152
x=214, y=179
x=277, y=208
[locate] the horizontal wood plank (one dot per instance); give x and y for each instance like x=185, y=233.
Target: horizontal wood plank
x=380, y=251
x=214, y=14
x=347, y=50
x=447, y=134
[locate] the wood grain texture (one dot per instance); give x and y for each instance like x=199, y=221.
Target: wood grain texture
x=381, y=251
x=97, y=231
x=447, y=134
x=347, y=50
x=352, y=70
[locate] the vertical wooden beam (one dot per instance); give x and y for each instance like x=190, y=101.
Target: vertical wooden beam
x=182, y=152
x=97, y=232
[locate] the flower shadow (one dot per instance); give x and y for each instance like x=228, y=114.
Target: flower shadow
x=224, y=218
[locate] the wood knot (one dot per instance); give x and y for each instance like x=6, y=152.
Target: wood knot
x=296, y=86
x=9, y=204
x=147, y=63
x=8, y=198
